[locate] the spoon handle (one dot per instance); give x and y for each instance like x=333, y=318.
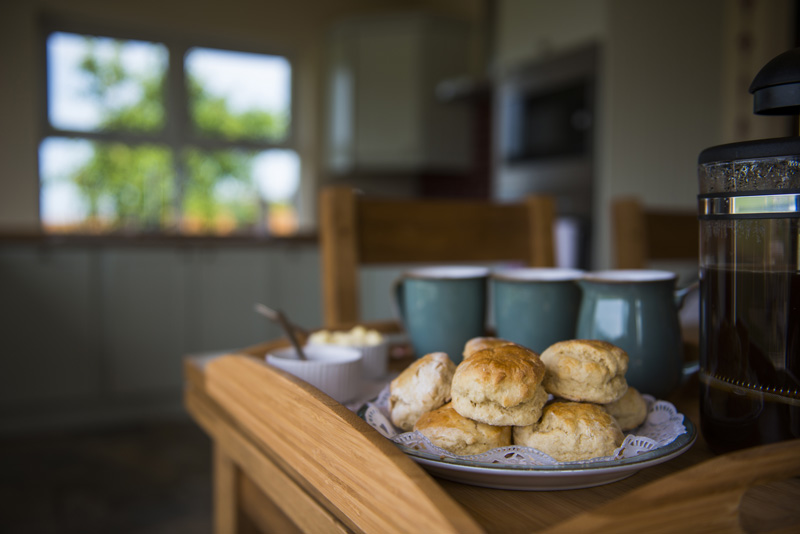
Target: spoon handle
x=290, y=334
x=280, y=318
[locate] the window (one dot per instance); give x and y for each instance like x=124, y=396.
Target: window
x=156, y=136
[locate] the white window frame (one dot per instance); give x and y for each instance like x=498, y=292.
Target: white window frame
x=177, y=134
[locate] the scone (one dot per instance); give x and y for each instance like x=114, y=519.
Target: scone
x=500, y=386
x=479, y=343
x=585, y=370
x=423, y=386
x=447, y=429
x=571, y=431
x=630, y=411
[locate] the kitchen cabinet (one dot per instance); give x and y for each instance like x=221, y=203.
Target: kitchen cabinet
x=225, y=284
x=48, y=319
x=97, y=333
x=145, y=320
x=383, y=111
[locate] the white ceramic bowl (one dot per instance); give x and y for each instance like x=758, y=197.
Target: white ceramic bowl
x=375, y=358
x=373, y=346
x=334, y=370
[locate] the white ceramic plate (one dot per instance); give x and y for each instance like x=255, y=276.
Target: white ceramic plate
x=546, y=478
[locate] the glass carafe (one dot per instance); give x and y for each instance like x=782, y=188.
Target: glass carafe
x=750, y=293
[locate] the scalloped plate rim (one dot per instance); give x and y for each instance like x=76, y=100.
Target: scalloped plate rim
x=551, y=477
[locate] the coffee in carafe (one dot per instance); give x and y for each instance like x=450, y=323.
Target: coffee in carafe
x=749, y=206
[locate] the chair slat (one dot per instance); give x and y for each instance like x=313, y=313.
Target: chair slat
x=394, y=232
x=642, y=235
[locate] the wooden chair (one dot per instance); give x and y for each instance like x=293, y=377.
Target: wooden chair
x=287, y=458
x=642, y=235
x=357, y=230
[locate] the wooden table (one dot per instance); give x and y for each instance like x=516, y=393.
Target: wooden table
x=240, y=504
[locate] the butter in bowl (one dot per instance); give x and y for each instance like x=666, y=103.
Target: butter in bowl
x=369, y=342
x=334, y=370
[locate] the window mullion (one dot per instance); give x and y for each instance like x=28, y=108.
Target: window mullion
x=241, y=144
x=177, y=129
x=108, y=136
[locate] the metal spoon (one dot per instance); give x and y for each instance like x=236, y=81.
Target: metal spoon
x=288, y=328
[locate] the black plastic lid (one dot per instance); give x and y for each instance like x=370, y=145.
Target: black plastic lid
x=762, y=148
x=776, y=87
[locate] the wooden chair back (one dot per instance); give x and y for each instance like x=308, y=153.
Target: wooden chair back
x=357, y=230
x=330, y=472
x=642, y=235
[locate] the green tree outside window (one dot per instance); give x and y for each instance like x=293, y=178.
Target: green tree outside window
x=152, y=183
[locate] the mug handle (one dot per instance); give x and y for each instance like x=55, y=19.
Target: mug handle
x=681, y=294
x=689, y=368
x=397, y=298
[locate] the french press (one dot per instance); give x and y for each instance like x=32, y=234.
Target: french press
x=749, y=209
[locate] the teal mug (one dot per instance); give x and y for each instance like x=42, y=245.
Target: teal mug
x=442, y=307
x=637, y=310
x=536, y=307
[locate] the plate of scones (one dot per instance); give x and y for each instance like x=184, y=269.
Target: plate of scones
x=507, y=417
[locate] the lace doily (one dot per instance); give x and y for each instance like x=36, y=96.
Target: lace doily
x=663, y=424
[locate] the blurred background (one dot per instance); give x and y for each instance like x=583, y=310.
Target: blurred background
x=160, y=163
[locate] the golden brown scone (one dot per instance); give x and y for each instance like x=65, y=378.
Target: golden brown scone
x=630, y=411
x=586, y=370
x=479, y=343
x=571, y=431
x=423, y=386
x=447, y=429
x=500, y=386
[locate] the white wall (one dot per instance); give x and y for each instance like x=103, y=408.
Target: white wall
x=664, y=88
x=19, y=185
x=661, y=103
x=530, y=30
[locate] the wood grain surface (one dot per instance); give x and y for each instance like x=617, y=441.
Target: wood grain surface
x=312, y=463
x=330, y=452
